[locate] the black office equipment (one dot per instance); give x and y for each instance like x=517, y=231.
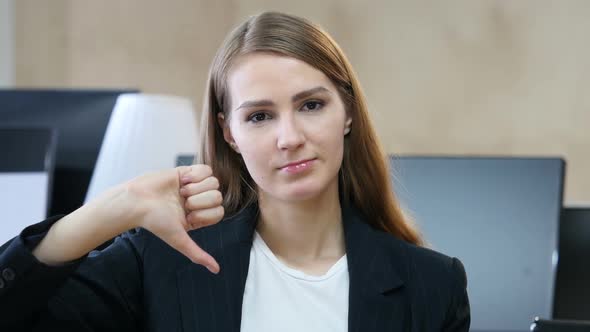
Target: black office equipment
x=185, y=160
x=80, y=117
x=544, y=325
x=26, y=174
x=572, y=287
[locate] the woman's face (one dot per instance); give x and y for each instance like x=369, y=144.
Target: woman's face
x=288, y=122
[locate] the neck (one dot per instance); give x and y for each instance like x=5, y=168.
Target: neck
x=304, y=231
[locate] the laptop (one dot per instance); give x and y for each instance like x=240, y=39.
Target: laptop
x=543, y=325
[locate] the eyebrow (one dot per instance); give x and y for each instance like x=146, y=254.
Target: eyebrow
x=295, y=98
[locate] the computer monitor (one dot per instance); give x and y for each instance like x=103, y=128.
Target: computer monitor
x=80, y=118
x=500, y=217
x=572, y=287
x=26, y=172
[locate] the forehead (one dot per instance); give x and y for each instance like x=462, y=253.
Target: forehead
x=271, y=76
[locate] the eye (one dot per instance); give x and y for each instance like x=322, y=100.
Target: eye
x=258, y=117
x=312, y=106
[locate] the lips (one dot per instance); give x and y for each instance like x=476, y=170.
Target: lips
x=296, y=163
x=298, y=166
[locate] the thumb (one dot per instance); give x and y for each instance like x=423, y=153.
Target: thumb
x=186, y=246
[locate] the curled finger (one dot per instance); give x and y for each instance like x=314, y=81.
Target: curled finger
x=191, y=189
x=205, y=200
x=205, y=217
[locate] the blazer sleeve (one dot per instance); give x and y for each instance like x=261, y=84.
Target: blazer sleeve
x=101, y=291
x=459, y=315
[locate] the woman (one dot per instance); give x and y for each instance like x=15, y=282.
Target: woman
x=289, y=216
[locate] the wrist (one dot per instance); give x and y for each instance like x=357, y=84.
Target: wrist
x=121, y=206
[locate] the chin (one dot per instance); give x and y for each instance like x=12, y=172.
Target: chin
x=303, y=191
x=309, y=187
x=299, y=196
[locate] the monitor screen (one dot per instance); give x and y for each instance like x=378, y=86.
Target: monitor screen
x=80, y=118
x=500, y=217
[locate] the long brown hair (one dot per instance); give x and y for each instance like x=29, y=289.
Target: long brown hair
x=364, y=178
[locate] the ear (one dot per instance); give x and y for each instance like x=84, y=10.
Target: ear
x=348, y=125
x=227, y=136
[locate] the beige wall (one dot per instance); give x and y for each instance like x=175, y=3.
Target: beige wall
x=6, y=43
x=453, y=77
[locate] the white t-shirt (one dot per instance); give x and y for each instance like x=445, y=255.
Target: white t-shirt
x=279, y=298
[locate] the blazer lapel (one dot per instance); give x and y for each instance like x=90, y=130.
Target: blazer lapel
x=214, y=302
x=376, y=295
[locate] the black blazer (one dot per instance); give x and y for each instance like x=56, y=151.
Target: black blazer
x=141, y=284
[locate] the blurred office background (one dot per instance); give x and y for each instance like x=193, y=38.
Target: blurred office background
x=442, y=78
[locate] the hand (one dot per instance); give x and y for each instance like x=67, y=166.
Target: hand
x=178, y=200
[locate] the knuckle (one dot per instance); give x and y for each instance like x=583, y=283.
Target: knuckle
x=214, y=182
x=204, y=169
x=219, y=212
x=217, y=197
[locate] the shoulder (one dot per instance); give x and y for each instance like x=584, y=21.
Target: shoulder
x=419, y=268
x=434, y=283
x=426, y=270
x=436, y=264
x=437, y=283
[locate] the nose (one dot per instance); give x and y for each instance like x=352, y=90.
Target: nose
x=290, y=134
